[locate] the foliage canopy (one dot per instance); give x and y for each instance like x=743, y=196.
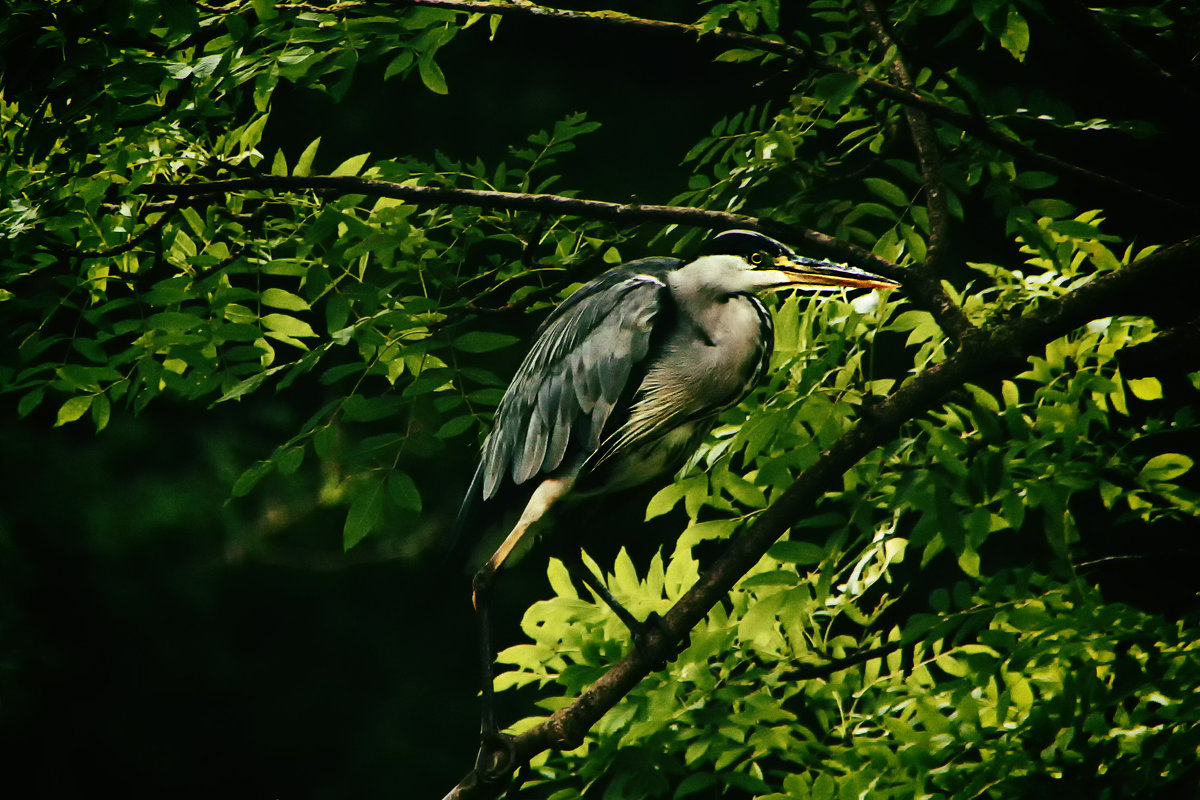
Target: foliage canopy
x=947, y=615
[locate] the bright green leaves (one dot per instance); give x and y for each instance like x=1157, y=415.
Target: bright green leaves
x=286, y=328
x=431, y=75
x=73, y=409
x=304, y=163
x=1165, y=467
x=972, y=691
x=1015, y=36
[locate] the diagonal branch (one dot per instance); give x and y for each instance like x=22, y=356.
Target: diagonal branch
x=1000, y=350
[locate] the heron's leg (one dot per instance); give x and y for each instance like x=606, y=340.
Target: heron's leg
x=495, y=755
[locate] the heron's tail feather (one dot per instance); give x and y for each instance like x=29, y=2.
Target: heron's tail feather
x=461, y=539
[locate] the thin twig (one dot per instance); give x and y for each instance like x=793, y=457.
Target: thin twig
x=924, y=291
x=539, y=203
x=167, y=210
x=924, y=139
x=928, y=290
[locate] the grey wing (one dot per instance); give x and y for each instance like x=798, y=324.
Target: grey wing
x=568, y=384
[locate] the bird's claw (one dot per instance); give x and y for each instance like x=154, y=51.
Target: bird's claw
x=649, y=632
x=497, y=754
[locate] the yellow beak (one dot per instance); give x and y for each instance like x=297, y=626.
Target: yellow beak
x=801, y=272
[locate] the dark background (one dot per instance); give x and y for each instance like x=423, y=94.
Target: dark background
x=159, y=638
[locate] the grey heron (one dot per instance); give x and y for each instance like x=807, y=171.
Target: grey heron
x=626, y=377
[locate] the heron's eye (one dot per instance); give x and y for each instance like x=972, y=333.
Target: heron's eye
x=756, y=259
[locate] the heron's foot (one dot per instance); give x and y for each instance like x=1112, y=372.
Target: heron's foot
x=497, y=755
x=649, y=632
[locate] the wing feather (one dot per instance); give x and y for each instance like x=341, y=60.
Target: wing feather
x=578, y=368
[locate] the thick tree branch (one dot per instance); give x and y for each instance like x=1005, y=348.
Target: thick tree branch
x=999, y=350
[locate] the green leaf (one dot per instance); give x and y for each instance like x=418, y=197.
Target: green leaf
x=279, y=298
x=288, y=326
x=365, y=514
x=837, y=88
x=404, y=492
x=1163, y=467
x=30, y=401
x=1015, y=38
x=304, y=166
x=101, y=411
x=250, y=478
x=665, y=499
x=402, y=62
x=481, y=342
x=743, y=490
x=173, y=321
x=264, y=9
x=887, y=191
x=776, y=577
x=247, y=385
x=351, y=166
x=739, y=54
x=1076, y=229
x=431, y=76
x=1145, y=388
x=560, y=579
x=73, y=409
x=797, y=552
x=968, y=562
x=696, y=782
x=289, y=460
x=455, y=427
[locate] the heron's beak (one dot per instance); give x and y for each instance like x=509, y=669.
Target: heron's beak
x=807, y=273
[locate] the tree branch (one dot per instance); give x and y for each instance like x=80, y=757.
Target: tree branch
x=923, y=289
x=923, y=137
x=996, y=350
x=628, y=213
x=166, y=209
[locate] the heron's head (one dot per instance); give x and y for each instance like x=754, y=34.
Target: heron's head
x=740, y=260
